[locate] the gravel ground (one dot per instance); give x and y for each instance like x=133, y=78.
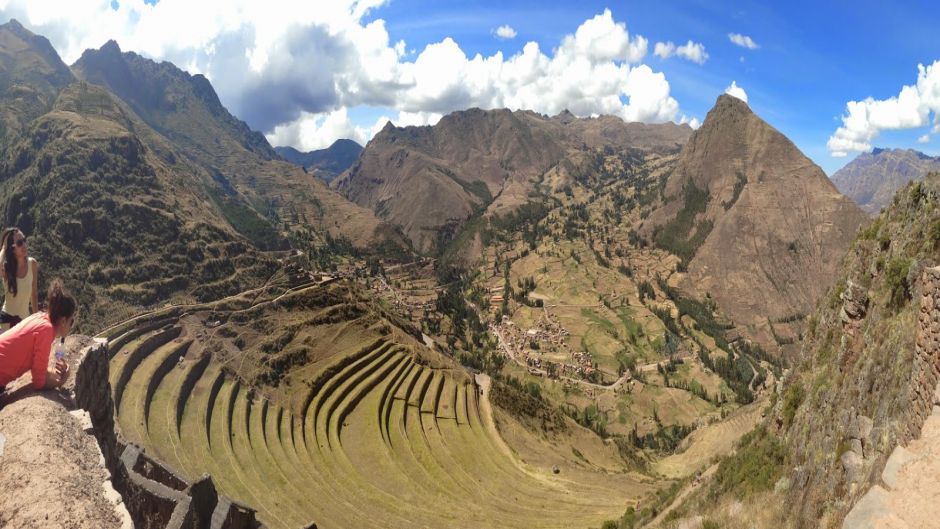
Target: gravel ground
x=51, y=473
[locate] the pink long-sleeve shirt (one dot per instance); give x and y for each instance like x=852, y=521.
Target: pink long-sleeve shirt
x=26, y=347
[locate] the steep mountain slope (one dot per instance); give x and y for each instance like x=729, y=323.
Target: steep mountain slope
x=867, y=381
x=325, y=163
x=430, y=180
x=758, y=225
x=125, y=222
x=186, y=111
x=132, y=216
x=871, y=179
x=865, y=385
x=30, y=76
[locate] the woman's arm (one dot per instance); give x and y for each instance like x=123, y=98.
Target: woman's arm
x=42, y=346
x=35, y=300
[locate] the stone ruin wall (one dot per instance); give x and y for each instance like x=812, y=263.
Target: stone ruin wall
x=926, y=369
x=154, y=495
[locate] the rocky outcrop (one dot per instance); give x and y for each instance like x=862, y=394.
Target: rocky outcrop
x=854, y=302
x=756, y=222
x=870, y=352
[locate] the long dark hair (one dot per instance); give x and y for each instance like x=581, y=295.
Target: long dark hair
x=9, y=259
x=60, y=302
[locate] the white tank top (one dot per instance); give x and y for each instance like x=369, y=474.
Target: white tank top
x=18, y=305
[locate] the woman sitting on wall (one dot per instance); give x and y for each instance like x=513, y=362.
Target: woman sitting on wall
x=20, y=278
x=26, y=346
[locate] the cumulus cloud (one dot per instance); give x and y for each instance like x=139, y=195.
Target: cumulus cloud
x=664, y=50
x=291, y=70
x=505, y=32
x=694, y=123
x=736, y=91
x=911, y=108
x=743, y=40
x=318, y=131
x=924, y=139
x=692, y=51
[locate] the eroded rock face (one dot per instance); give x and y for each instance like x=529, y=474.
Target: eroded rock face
x=854, y=302
x=776, y=226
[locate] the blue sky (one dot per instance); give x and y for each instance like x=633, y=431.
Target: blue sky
x=813, y=56
x=308, y=72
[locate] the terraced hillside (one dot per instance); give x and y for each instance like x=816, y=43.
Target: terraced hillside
x=374, y=430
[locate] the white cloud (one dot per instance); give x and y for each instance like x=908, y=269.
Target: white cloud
x=505, y=32
x=318, y=131
x=664, y=50
x=736, y=91
x=864, y=120
x=692, y=51
x=924, y=139
x=743, y=40
x=291, y=70
x=692, y=122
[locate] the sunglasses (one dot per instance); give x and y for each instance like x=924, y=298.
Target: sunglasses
x=20, y=242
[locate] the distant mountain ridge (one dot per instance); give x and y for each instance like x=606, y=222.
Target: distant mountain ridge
x=871, y=179
x=431, y=180
x=327, y=163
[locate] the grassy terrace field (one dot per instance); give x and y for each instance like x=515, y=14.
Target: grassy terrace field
x=374, y=432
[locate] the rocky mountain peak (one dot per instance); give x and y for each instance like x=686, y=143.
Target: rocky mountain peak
x=565, y=116
x=13, y=25
x=110, y=47
x=743, y=208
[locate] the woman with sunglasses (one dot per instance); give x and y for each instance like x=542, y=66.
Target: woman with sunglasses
x=20, y=277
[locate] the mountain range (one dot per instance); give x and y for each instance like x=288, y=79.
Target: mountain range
x=136, y=185
x=431, y=180
x=871, y=179
x=327, y=163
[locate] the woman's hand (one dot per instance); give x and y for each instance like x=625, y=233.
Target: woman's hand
x=55, y=378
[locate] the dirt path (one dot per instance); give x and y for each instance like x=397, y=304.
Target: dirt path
x=486, y=409
x=681, y=497
x=909, y=494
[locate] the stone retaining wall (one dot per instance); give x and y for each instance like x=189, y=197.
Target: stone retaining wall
x=155, y=496
x=926, y=370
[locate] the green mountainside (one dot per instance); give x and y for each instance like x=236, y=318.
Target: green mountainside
x=162, y=195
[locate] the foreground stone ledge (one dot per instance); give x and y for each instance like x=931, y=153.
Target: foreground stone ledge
x=63, y=460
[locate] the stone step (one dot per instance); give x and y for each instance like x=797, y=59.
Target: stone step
x=900, y=457
x=872, y=512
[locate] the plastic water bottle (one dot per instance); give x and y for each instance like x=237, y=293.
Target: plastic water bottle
x=60, y=349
